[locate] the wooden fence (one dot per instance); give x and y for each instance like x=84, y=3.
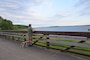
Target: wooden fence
x=82, y=37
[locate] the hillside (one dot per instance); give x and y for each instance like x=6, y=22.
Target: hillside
x=20, y=27
x=6, y=24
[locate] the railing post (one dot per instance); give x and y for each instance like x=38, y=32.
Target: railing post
x=47, y=43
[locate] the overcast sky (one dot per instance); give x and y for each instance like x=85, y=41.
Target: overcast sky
x=41, y=13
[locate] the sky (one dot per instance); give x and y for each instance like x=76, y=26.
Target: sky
x=42, y=13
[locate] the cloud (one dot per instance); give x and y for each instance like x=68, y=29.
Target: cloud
x=42, y=12
x=19, y=4
x=85, y=6
x=86, y=11
x=83, y=2
x=18, y=10
x=69, y=20
x=7, y=5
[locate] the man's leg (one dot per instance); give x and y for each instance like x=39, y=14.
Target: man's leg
x=30, y=40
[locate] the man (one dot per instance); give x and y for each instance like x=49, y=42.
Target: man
x=30, y=34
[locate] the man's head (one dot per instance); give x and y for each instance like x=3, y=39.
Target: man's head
x=29, y=25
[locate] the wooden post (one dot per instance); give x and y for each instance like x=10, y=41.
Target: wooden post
x=47, y=43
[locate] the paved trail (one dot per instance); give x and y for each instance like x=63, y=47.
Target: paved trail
x=10, y=50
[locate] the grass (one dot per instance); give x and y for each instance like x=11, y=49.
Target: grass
x=64, y=46
x=82, y=50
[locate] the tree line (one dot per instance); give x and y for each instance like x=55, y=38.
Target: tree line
x=8, y=25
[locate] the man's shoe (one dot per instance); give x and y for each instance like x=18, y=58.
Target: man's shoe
x=30, y=45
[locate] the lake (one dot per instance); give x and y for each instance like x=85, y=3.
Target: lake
x=83, y=28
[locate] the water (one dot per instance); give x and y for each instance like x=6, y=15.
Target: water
x=67, y=29
x=85, y=28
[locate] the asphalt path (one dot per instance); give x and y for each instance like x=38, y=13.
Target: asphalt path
x=11, y=50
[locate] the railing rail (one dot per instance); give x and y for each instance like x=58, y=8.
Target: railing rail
x=84, y=34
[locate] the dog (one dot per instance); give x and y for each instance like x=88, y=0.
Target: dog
x=25, y=43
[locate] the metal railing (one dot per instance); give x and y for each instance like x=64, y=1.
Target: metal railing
x=81, y=37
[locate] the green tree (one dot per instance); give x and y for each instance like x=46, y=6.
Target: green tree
x=5, y=24
x=8, y=25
